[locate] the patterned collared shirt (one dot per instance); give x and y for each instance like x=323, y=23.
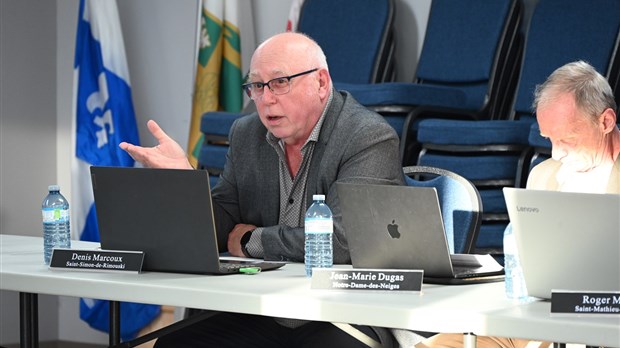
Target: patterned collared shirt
x=292, y=190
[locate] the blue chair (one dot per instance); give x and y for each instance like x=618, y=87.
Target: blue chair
x=459, y=200
x=496, y=153
x=212, y=156
x=466, y=61
x=357, y=38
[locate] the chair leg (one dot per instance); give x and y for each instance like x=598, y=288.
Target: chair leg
x=358, y=335
x=470, y=340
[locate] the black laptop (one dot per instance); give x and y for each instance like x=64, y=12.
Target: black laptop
x=401, y=227
x=167, y=214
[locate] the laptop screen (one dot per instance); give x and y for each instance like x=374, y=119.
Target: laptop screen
x=164, y=212
x=566, y=241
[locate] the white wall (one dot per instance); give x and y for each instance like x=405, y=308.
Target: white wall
x=37, y=40
x=27, y=112
x=27, y=133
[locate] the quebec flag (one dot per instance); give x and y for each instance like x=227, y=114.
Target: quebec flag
x=104, y=117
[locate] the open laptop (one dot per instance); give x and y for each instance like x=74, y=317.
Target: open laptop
x=400, y=227
x=166, y=213
x=566, y=241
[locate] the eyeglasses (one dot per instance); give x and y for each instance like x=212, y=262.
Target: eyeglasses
x=277, y=86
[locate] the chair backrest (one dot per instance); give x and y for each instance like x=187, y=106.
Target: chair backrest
x=540, y=146
x=356, y=36
x=562, y=31
x=460, y=203
x=467, y=44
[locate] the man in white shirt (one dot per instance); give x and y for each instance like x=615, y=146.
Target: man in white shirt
x=576, y=110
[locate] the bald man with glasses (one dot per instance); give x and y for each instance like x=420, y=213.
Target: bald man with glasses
x=304, y=137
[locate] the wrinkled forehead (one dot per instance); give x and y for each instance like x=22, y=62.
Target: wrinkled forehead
x=571, y=125
x=268, y=67
x=559, y=116
x=279, y=57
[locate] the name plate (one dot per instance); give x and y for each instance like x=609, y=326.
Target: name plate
x=97, y=260
x=585, y=303
x=367, y=279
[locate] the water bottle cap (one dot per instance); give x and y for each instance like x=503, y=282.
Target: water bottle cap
x=318, y=197
x=53, y=188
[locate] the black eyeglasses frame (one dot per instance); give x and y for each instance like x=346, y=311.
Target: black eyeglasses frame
x=247, y=87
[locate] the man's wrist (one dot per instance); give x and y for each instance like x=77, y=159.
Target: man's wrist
x=244, y=242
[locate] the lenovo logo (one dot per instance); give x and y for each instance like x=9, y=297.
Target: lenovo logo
x=527, y=209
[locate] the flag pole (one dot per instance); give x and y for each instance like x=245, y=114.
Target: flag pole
x=196, y=45
x=193, y=158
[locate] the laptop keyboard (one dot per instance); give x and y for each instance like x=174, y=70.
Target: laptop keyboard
x=465, y=271
x=227, y=267
x=236, y=266
x=472, y=265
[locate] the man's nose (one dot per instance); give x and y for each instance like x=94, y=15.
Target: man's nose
x=268, y=96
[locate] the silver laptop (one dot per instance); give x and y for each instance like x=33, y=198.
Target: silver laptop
x=566, y=241
x=167, y=214
x=400, y=227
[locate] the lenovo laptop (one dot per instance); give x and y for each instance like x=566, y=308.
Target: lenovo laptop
x=167, y=214
x=400, y=227
x=566, y=241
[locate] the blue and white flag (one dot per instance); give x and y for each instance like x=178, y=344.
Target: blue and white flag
x=104, y=117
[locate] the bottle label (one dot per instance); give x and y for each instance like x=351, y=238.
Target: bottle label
x=319, y=226
x=51, y=215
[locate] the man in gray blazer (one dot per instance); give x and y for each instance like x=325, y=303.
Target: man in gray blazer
x=303, y=139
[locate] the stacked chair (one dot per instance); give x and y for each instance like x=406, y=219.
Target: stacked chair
x=498, y=152
x=466, y=63
x=357, y=38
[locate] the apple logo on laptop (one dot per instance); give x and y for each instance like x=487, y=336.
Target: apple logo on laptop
x=393, y=229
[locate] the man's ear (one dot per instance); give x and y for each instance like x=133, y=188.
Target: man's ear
x=608, y=120
x=324, y=83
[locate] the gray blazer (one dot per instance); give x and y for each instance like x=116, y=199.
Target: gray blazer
x=355, y=145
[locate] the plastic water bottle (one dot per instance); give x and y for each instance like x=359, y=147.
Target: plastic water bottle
x=515, y=283
x=319, y=227
x=56, y=229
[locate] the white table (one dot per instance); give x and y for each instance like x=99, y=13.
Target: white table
x=480, y=309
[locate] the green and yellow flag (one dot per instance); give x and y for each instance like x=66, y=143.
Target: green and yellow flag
x=218, y=74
